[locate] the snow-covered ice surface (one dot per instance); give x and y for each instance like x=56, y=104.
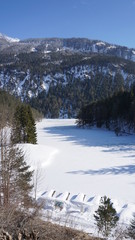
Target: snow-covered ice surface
x=77, y=166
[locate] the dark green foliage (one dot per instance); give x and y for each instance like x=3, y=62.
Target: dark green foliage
x=106, y=217
x=15, y=176
x=17, y=180
x=24, y=128
x=74, y=95
x=30, y=126
x=113, y=113
x=38, y=116
x=131, y=229
x=7, y=105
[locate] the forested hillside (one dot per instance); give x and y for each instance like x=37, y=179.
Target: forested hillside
x=8, y=104
x=59, y=84
x=59, y=76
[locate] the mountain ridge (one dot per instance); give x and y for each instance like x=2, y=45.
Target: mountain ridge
x=59, y=80
x=66, y=44
x=9, y=39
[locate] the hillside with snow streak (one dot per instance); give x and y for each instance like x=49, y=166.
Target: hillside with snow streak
x=77, y=166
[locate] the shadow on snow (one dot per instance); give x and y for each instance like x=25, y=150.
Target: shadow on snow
x=127, y=169
x=93, y=137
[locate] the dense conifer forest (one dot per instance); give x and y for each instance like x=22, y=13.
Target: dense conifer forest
x=116, y=112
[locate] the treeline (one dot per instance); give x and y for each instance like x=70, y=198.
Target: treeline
x=9, y=103
x=116, y=113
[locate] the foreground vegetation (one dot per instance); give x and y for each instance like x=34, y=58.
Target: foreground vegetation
x=8, y=105
x=22, y=226
x=20, y=217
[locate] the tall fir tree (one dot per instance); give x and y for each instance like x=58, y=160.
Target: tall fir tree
x=15, y=175
x=31, y=127
x=106, y=217
x=15, y=182
x=24, y=127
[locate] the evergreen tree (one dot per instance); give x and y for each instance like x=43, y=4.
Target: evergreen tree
x=30, y=127
x=15, y=176
x=24, y=128
x=16, y=133
x=106, y=217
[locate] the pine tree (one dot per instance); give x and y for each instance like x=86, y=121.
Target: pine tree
x=24, y=127
x=15, y=176
x=16, y=134
x=131, y=229
x=106, y=217
x=31, y=127
x=15, y=181
x=21, y=177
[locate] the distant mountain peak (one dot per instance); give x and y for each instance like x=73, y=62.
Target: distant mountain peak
x=72, y=45
x=9, y=39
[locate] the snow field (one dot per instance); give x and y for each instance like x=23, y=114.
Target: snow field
x=77, y=166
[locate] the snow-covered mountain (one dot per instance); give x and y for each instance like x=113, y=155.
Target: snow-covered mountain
x=59, y=75
x=8, y=39
x=59, y=44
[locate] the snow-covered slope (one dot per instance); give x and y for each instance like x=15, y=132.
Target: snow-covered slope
x=78, y=166
x=26, y=85
x=48, y=45
x=9, y=39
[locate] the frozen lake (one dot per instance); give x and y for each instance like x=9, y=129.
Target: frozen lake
x=92, y=161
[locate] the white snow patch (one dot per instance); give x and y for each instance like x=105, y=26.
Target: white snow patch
x=33, y=49
x=111, y=47
x=30, y=94
x=100, y=43
x=46, y=51
x=9, y=39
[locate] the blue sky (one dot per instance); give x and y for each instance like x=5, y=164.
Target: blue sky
x=110, y=20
